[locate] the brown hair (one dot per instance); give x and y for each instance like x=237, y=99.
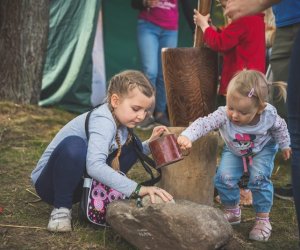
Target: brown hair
x=121, y=84
x=254, y=84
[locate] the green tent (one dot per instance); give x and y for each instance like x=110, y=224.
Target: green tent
x=89, y=41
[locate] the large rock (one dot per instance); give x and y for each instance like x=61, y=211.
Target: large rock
x=180, y=225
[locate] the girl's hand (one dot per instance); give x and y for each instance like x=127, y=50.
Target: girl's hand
x=152, y=191
x=201, y=21
x=286, y=153
x=157, y=132
x=184, y=142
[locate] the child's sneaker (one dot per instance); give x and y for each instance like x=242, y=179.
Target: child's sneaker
x=60, y=220
x=233, y=215
x=261, y=231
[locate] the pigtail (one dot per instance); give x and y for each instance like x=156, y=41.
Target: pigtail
x=115, y=164
x=281, y=93
x=129, y=138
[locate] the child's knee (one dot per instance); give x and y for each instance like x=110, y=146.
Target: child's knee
x=74, y=147
x=224, y=180
x=258, y=180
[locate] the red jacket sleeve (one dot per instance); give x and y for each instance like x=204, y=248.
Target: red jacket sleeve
x=225, y=40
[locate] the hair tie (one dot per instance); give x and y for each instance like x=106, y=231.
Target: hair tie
x=251, y=93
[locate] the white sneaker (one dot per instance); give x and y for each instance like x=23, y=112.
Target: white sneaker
x=60, y=220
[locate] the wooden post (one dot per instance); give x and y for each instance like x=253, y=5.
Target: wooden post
x=190, y=76
x=192, y=178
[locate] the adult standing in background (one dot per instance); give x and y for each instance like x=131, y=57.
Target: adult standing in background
x=239, y=8
x=287, y=19
x=157, y=28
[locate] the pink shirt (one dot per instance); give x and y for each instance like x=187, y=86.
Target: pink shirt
x=164, y=14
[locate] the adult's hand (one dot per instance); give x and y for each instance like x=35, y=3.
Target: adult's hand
x=239, y=8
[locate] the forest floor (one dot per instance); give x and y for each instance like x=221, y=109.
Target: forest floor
x=25, y=131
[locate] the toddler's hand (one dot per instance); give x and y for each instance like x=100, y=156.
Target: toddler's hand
x=184, y=142
x=157, y=132
x=286, y=153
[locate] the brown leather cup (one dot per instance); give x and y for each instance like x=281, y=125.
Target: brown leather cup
x=165, y=150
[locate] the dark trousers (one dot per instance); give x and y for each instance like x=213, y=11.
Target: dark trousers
x=294, y=120
x=60, y=183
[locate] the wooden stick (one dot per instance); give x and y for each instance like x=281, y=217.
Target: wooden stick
x=17, y=226
x=28, y=190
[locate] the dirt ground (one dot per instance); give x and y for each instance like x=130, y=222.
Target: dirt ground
x=25, y=131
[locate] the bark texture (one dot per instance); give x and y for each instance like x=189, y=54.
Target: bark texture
x=23, y=44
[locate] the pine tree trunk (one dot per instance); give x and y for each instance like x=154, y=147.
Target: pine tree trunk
x=23, y=44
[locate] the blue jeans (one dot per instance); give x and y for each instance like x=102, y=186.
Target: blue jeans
x=151, y=39
x=231, y=169
x=293, y=103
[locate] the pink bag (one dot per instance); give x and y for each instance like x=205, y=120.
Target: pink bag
x=95, y=199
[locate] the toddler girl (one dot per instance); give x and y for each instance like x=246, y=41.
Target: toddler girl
x=252, y=131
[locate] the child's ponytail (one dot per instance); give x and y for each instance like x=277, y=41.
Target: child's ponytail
x=281, y=93
x=115, y=164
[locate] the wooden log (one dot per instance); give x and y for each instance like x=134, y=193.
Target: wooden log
x=190, y=76
x=192, y=178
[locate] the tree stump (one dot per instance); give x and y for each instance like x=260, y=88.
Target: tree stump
x=192, y=178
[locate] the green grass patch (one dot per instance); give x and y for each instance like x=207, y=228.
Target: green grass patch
x=26, y=130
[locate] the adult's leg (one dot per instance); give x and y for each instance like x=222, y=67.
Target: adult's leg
x=147, y=38
x=280, y=59
x=63, y=173
x=294, y=121
x=167, y=39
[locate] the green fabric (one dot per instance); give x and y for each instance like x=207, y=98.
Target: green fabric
x=67, y=73
x=120, y=40
x=67, y=77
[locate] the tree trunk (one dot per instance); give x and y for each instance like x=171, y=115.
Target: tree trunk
x=23, y=44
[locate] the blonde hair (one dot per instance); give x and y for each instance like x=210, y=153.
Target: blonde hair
x=270, y=27
x=254, y=84
x=121, y=84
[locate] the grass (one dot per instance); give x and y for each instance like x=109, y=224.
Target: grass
x=25, y=131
